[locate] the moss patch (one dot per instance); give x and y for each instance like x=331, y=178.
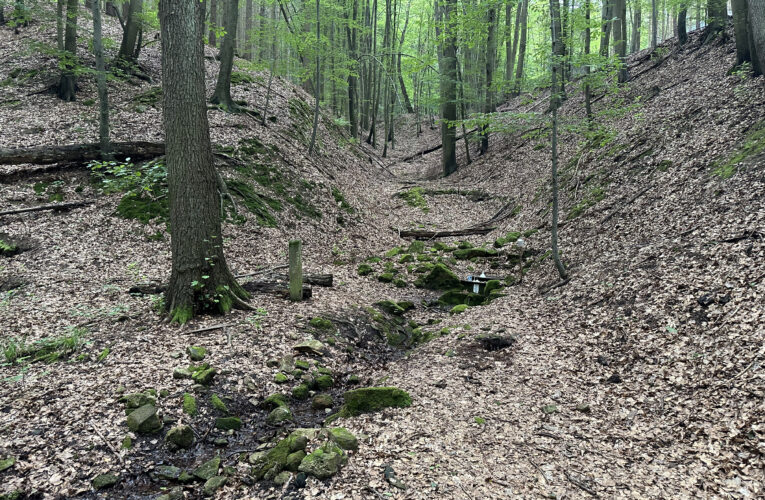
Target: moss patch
x=253, y=201
x=370, y=399
x=142, y=208
x=439, y=278
x=592, y=198
x=415, y=198
x=239, y=78
x=753, y=144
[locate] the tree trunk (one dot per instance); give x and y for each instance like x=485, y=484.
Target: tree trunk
x=351, y=33
x=247, y=35
x=404, y=93
x=318, y=79
x=521, y=48
x=608, y=24
x=213, y=20
x=554, y=102
x=222, y=94
x=103, y=97
x=448, y=68
x=620, y=38
x=491, y=56
x=511, y=45
x=682, y=33
x=587, y=47
x=636, y=24
x=130, y=33
x=59, y=24
x=757, y=32
x=67, y=85
x=559, y=51
x=200, y=281
x=717, y=16
x=741, y=28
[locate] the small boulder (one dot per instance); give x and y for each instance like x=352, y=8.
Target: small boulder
x=322, y=382
x=279, y=416
x=138, y=399
x=324, y=462
x=168, y=472
x=440, y=277
x=144, y=420
x=364, y=269
x=275, y=401
x=390, y=307
x=196, y=353
x=228, y=423
x=280, y=378
x=180, y=436
x=370, y=399
x=205, y=375
x=213, y=484
x=103, y=481
x=181, y=373
x=282, y=478
x=311, y=346
x=322, y=401
x=417, y=246
x=207, y=469
x=343, y=438
x=300, y=392
x=301, y=364
x=294, y=459
x=269, y=464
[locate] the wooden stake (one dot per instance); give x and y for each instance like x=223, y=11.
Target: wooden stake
x=296, y=270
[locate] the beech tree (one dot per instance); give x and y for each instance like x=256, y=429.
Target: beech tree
x=103, y=97
x=67, y=84
x=200, y=280
x=447, y=63
x=131, y=45
x=222, y=94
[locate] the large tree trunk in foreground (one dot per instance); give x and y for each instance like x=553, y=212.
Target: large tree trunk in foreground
x=757, y=34
x=67, y=84
x=222, y=94
x=741, y=28
x=200, y=281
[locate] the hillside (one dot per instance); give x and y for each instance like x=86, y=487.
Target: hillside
x=639, y=377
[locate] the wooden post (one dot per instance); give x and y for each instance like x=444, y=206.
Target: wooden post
x=296, y=270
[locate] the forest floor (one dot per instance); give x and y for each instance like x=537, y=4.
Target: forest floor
x=641, y=377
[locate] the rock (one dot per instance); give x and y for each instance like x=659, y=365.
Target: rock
x=364, y=269
x=275, y=400
x=307, y=432
x=174, y=494
x=282, y=478
x=417, y=246
x=168, y=472
x=276, y=459
x=138, y=399
x=386, y=277
x=470, y=253
x=439, y=278
x=181, y=373
x=7, y=463
x=343, y=438
x=207, y=469
x=323, y=462
x=196, y=353
x=180, y=436
x=390, y=307
x=280, y=378
x=103, y=481
x=220, y=442
x=614, y=379
x=399, y=283
x=390, y=476
x=549, y=409
x=127, y=443
x=406, y=257
x=300, y=480
x=218, y=404
x=189, y=404
x=406, y=305
x=213, y=484
x=321, y=401
x=272, y=363
x=491, y=286
x=301, y=364
x=310, y=346
x=322, y=382
x=287, y=363
x=354, y=380
x=294, y=459
x=459, y=309
x=369, y=399
x=228, y=423
x=321, y=323
x=144, y=420
x=583, y=407
x=204, y=376
x=492, y=342
x=300, y=392
x=279, y=416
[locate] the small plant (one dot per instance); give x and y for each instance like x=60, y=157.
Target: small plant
x=255, y=318
x=414, y=198
x=48, y=349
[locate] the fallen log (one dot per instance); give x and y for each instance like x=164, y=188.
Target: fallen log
x=423, y=234
x=52, y=206
x=45, y=155
x=435, y=148
x=277, y=288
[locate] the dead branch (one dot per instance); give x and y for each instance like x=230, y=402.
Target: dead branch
x=111, y=447
x=423, y=234
x=45, y=155
x=209, y=328
x=629, y=202
x=434, y=148
x=52, y=206
x=580, y=485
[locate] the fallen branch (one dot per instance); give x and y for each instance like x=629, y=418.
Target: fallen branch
x=52, y=206
x=580, y=485
x=114, y=450
x=45, y=155
x=435, y=148
x=619, y=208
x=423, y=234
x=209, y=328
x=753, y=235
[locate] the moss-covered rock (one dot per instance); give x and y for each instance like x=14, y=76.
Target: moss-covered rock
x=364, y=269
x=343, y=438
x=459, y=309
x=393, y=252
x=103, y=481
x=300, y=391
x=196, y=353
x=283, y=456
x=275, y=401
x=189, y=404
x=138, y=399
x=457, y=297
x=321, y=323
x=180, y=436
x=207, y=469
x=324, y=462
x=322, y=382
x=322, y=401
x=293, y=460
x=370, y=399
x=144, y=420
x=228, y=423
x=390, y=307
x=416, y=247
x=280, y=378
x=510, y=237
x=213, y=484
x=310, y=346
x=404, y=258
x=204, y=374
x=470, y=253
x=440, y=277
x=279, y=416
x=386, y=277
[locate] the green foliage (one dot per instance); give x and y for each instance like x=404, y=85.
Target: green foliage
x=48, y=349
x=341, y=202
x=414, y=198
x=239, y=78
x=145, y=187
x=753, y=145
x=594, y=196
x=256, y=204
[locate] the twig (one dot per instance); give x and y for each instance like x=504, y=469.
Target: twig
x=208, y=328
x=114, y=450
x=547, y=434
x=581, y=485
x=539, y=469
x=619, y=208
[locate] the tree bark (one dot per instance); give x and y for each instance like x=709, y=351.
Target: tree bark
x=608, y=25
x=200, y=280
x=317, y=93
x=222, y=94
x=103, y=96
x=682, y=33
x=130, y=34
x=511, y=46
x=247, y=35
x=620, y=38
x=717, y=16
x=404, y=93
x=351, y=33
x=654, y=23
x=636, y=24
x=587, y=47
x=59, y=24
x=521, y=48
x=491, y=57
x=741, y=28
x=757, y=31
x=213, y=23
x=46, y=155
x=67, y=85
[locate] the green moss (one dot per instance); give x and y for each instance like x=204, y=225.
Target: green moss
x=386, y=277
x=149, y=98
x=471, y=253
x=457, y=297
x=404, y=258
x=510, y=237
x=439, y=278
x=591, y=199
x=218, y=404
x=390, y=307
x=530, y=232
x=399, y=283
x=373, y=259
x=189, y=405
x=144, y=209
x=253, y=201
x=7, y=248
x=228, y=423
x=280, y=378
x=321, y=323
x=393, y=252
x=664, y=165
x=322, y=382
x=300, y=391
x=341, y=201
x=414, y=198
x=239, y=78
x=416, y=246
x=364, y=269
x=459, y=309
x=753, y=144
x=370, y=399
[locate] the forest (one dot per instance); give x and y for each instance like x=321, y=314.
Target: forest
x=372, y=249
